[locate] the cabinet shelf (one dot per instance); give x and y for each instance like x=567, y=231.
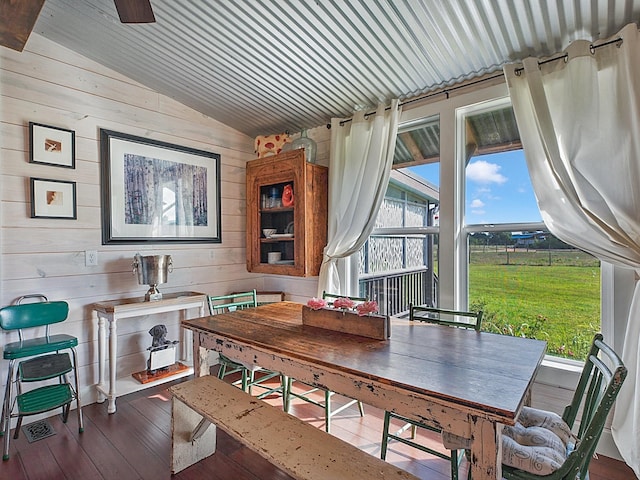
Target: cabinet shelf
x=276, y=240
x=267, y=178
x=276, y=210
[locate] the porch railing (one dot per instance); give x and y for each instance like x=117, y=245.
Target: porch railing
x=394, y=291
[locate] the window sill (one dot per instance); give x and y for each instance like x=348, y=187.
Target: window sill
x=559, y=372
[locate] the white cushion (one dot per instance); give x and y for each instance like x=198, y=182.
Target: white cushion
x=534, y=459
x=551, y=421
x=538, y=443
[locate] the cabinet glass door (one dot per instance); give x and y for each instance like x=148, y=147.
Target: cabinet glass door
x=277, y=239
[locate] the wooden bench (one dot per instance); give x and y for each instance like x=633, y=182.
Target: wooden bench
x=298, y=448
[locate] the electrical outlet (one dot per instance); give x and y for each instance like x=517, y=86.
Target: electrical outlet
x=90, y=258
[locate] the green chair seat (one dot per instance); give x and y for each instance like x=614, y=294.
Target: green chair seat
x=38, y=346
x=44, y=399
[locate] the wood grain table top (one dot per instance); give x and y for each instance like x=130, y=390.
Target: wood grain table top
x=481, y=371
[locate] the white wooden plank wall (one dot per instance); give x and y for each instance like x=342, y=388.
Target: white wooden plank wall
x=54, y=86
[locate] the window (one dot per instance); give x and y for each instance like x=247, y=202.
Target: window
x=487, y=245
x=526, y=281
x=398, y=263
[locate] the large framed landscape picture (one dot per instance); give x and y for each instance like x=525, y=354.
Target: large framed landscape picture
x=157, y=192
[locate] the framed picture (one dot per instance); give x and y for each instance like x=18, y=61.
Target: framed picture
x=157, y=192
x=53, y=199
x=52, y=145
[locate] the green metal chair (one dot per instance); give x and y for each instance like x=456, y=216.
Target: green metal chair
x=307, y=395
x=250, y=375
x=443, y=317
x=43, y=362
x=601, y=379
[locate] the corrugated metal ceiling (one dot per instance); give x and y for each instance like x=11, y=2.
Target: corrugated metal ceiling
x=266, y=66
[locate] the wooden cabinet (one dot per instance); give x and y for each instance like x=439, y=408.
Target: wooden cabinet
x=301, y=228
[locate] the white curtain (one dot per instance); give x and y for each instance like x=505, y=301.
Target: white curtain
x=359, y=168
x=579, y=122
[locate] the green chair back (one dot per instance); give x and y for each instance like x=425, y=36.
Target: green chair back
x=600, y=382
x=25, y=316
x=29, y=315
x=441, y=316
x=330, y=297
x=232, y=301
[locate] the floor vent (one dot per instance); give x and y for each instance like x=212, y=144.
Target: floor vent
x=38, y=430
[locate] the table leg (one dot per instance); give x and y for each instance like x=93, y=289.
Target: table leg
x=187, y=335
x=486, y=450
x=102, y=348
x=185, y=351
x=113, y=355
x=200, y=357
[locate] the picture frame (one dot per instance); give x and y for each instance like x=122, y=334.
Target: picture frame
x=52, y=145
x=53, y=199
x=158, y=192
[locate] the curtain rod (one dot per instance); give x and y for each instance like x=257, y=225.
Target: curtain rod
x=446, y=92
x=592, y=48
x=618, y=41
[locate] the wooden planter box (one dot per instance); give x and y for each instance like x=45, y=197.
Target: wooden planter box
x=372, y=326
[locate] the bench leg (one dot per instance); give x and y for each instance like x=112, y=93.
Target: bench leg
x=185, y=452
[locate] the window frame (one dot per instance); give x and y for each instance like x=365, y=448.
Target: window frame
x=452, y=230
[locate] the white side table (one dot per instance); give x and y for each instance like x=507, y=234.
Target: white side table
x=114, y=310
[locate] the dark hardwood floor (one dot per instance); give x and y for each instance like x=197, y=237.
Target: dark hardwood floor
x=135, y=443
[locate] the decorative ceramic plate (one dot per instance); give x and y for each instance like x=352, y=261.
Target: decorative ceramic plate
x=289, y=228
x=281, y=235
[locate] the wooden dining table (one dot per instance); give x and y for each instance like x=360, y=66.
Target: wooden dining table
x=464, y=382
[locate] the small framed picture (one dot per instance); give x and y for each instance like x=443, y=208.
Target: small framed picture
x=52, y=145
x=53, y=199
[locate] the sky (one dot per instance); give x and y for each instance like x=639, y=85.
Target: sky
x=498, y=188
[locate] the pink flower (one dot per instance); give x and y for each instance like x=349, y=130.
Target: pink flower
x=316, y=303
x=344, y=302
x=367, y=307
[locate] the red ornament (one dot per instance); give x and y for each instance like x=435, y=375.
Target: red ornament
x=287, y=196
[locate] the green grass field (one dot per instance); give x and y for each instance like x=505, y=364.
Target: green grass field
x=553, y=297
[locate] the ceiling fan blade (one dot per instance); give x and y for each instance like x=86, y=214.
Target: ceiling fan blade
x=17, y=18
x=135, y=11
